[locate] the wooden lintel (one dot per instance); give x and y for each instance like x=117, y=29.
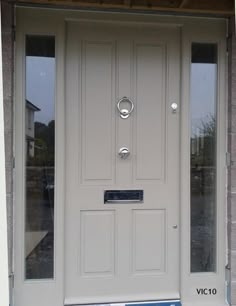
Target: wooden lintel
x=183, y=3
x=128, y=3
x=104, y=5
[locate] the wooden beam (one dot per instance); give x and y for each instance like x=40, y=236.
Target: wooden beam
x=105, y=5
x=183, y=3
x=128, y=3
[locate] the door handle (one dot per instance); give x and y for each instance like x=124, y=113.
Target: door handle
x=124, y=152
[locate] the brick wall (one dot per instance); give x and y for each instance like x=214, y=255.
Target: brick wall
x=232, y=168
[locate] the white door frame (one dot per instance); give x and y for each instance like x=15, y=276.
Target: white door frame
x=4, y=284
x=53, y=22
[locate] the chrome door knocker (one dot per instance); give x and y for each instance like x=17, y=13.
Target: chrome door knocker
x=125, y=113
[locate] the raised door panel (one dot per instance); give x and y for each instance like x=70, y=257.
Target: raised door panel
x=97, y=92
x=97, y=243
x=150, y=130
x=148, y=241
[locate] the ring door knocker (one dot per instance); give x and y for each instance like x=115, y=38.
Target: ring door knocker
x=125, y=113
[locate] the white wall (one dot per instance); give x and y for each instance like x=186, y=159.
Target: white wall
x=4, y=290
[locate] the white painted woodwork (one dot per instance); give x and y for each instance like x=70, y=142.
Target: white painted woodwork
x=150, y=95
x=97, y=240
x=191, y=281
x=47, y=292
x=4, y=285
x=68, y=234
x=97, y=95
x=121, y=251
x=148, y=241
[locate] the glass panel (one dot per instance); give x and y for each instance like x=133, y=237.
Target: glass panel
x=40, y=133
x=203, y=157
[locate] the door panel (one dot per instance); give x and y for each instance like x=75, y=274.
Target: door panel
x=150, y=81
x=97, y=237
x=97, y=97
x=149, y=241
x=121, y=251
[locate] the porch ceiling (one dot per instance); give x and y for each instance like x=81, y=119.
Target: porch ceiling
x=210, y=7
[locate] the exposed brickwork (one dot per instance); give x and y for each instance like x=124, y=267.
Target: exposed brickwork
x=8, y=60
x=232, y=168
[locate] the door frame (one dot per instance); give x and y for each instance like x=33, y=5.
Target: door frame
x=193, y=29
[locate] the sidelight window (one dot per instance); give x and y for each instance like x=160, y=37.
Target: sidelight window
x=39, y=156
x=203, y=157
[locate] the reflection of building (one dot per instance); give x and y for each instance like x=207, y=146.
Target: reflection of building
x=29, y=127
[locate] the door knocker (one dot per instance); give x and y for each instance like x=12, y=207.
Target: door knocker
x=125, y=113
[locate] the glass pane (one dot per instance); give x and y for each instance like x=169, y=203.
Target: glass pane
x=203, y=157
x=40, y=133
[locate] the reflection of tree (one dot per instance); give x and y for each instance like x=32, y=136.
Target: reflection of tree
x=203, y=158
x=208, y=127
x=44, y=144
x=203, y=189
x=203, y=144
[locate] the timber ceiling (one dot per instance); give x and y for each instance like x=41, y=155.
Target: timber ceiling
x=215, y=7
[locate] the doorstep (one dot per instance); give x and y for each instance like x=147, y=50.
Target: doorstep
x=153, y=303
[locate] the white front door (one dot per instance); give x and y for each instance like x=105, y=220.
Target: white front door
x=121, y=250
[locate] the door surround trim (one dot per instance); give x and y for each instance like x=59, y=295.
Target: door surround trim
x=193, y=29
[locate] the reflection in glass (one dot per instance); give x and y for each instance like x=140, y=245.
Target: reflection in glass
x=40, y=132
x=203, y=157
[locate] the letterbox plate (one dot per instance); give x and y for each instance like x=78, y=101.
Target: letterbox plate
x=123, y=196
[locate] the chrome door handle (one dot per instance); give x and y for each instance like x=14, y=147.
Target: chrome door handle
x=125, y=113
x=124, y=152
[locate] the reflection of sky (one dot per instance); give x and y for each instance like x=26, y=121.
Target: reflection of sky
x=40, y=86
x=203, y=93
